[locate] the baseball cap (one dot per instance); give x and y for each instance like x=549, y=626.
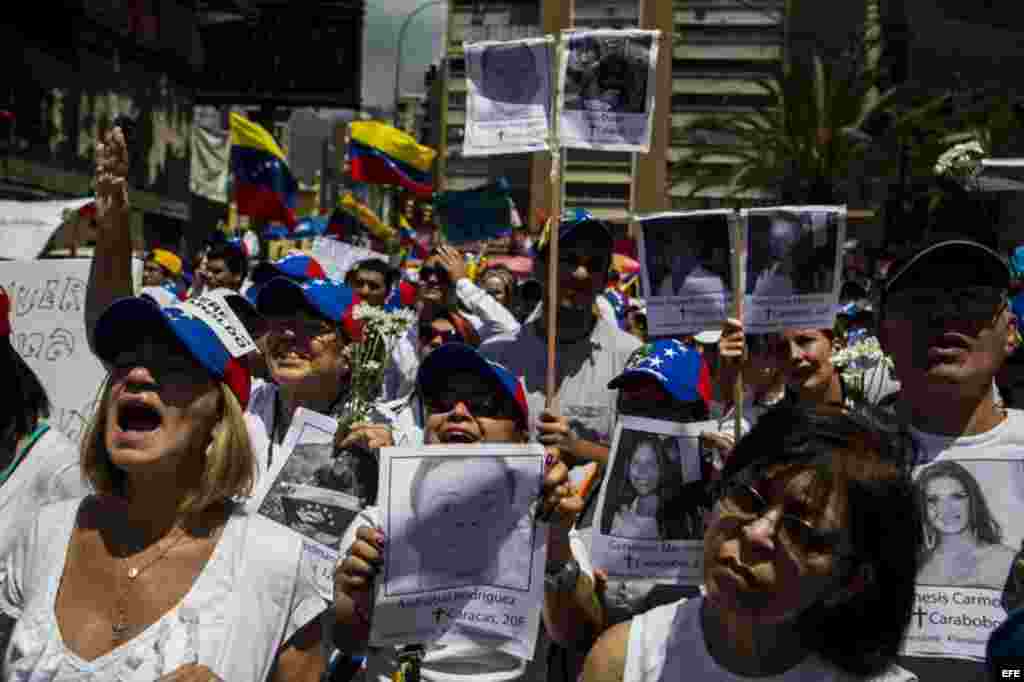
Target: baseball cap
x=331, y=300
x=5, y=313
x=953, y=261
x=578, y=222
x=678, y=369
x=170, y=261
x=438, y=367
x=205, y=325
x=296, y=266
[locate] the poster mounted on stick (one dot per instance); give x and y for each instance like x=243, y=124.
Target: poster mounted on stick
x=508, y=104
x=652, y=504
x=967, y=582
x=793, y=267
x=606, y=89
x=686, y=271
x=466, y=553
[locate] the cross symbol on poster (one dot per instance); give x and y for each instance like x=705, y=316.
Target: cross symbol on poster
x=439, y=613
x=631, y=560
x=920, y=613
x=682, y=312
x=501, y=135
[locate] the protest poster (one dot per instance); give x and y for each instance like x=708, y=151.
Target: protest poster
x=967, y=582
x=653, y=502
x=310, y=491
x=337, y=258
x=606, y=89
x=466, y=553
x=27, y=226
x=685, y=270
x=48, y=331
x=793, y=265
x=508, y=103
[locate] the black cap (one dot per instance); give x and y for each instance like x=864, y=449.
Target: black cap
x=954, y=262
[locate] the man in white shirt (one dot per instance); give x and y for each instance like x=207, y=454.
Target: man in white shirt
x=591, y=351
x=945, y=321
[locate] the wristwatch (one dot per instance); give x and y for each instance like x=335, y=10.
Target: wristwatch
x=562, y=577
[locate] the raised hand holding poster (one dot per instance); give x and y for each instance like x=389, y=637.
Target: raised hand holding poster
x=465, y=559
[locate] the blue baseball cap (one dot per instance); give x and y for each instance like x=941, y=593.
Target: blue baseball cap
x=295, y=266
x=679, y=370
x=448, y=358
x=578, y=222
x=329, y=299
x=127, y=320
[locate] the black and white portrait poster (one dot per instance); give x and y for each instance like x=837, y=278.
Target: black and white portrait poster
x=465, y=559
x=606, y=89
x=686, y=270
x=793, y=264
x=508, y=103
x=654, y=502
x=969, y=577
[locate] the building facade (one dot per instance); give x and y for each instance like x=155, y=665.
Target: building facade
x=721, y=48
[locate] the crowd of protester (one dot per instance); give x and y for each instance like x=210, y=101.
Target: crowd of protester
x=137, y=556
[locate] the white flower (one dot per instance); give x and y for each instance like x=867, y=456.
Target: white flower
x=961, y=161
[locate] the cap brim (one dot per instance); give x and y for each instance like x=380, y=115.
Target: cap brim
x=129, y=319
x=282, y=293
x=939, y=261
x=264, y=272
x=439, y=365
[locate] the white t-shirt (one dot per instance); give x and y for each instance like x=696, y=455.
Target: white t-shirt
x=670, y=639
x=584, y=369
x=49, y=472
x=249, y=599
x=452, y=663
x=1004, y=497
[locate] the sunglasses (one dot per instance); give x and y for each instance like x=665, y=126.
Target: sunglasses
x=744, y=502
x=481, y=405
x=428, y=334
x=978, y=304
x=432, y=272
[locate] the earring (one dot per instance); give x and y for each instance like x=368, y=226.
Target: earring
x=929, y=539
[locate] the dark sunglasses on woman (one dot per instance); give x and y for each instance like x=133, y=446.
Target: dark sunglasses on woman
x=428, y=334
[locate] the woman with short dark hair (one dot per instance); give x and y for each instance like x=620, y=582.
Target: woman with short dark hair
x=810, y=559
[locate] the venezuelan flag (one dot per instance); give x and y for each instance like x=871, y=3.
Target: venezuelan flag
x=264, y=185
x=380, y=154
x=365, y=215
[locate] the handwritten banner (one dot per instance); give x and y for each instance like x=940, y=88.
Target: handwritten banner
x=48, y=331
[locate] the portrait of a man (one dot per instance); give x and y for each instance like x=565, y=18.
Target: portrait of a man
x=511, y=82
x=465, y=512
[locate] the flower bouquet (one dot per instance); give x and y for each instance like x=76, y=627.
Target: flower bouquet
x=354, y=471
x=854, y=363
x=961, y=163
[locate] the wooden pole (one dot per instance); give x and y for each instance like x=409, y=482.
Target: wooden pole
x=552, y=229
x=739, y=286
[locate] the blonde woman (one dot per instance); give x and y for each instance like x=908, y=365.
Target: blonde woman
x=159, y=573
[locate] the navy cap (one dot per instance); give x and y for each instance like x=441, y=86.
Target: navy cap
x=449, y=358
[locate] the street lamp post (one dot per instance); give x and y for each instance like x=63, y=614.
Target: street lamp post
x=401, y=40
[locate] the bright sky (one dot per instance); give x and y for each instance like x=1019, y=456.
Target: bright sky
x=423, y=44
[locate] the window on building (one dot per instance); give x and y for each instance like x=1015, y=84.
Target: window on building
x=597, y=191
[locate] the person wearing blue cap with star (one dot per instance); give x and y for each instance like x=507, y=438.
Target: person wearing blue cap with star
x=591, y=350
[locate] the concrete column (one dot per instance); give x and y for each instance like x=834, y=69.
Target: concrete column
x=555, y=16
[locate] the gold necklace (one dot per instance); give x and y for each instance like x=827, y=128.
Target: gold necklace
x=120, y=625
